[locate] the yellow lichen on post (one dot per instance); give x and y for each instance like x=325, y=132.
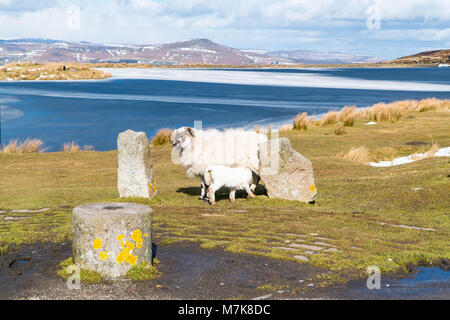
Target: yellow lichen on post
x=131, y=259
x=103, y=255
x=137, y=237
x=97, y=243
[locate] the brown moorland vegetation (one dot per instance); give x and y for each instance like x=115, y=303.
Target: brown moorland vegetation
x=50, y=71
x=380, y=112
x=162, y=137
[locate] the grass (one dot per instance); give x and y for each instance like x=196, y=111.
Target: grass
x=354, y=199
x=162, y=137
x=50, y=71
x=329, y=118
x=363, y=155
x=359, y=154
x=347, y=116
x=380, y=112
x=144, y=271
x=86, y=276
x=339, y=131
x=301, y=122
x=30, y=145
x=71, y=147
x=141, y=272
x=27, y=146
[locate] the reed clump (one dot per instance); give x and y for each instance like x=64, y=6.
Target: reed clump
x=71, y=147
x=302, y=121
x=329, y=118
x=162, y=137
x=381, y=112
x=347, y=116
x=27, y=146
x=358, y=154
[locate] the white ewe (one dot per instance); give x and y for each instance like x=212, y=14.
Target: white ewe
x=198, y=149
x=217, y=177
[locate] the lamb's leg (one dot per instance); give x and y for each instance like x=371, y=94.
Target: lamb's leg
x=232, y=194
x=211, y=194
x=203, y=188
x=249, y=192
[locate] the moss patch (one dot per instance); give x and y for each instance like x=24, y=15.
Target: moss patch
x=144, y=271
x=86, y=276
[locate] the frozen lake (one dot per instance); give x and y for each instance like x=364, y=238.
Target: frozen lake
x=94, y=112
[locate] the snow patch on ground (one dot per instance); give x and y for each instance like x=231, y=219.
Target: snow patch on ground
x=444, y=152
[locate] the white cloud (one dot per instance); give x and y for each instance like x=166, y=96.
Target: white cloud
x=244, y=23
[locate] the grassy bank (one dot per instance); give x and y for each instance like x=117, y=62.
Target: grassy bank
x=50, y=71
x=358, y=211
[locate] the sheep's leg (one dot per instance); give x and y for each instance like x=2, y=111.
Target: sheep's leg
x=255, y=181
x=211, y=194
x=249, y=192
x=232, y=194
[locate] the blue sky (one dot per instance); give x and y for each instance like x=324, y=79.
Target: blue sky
x=382, y=28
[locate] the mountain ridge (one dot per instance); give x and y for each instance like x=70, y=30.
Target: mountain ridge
x=189, y=51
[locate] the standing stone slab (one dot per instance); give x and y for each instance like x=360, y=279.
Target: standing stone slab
x=110, y=238
x=294, y=179
x=135, y=166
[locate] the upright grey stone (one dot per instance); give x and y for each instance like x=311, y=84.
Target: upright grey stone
x=135, y=166
x=111, y=238
x=293, y=178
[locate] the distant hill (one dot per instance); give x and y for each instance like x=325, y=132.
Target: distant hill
x=191, y=51
x=427, y=57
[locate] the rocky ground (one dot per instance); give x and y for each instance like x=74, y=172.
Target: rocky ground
x=190, y=272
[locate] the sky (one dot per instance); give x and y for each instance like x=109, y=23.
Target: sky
x=382, y=28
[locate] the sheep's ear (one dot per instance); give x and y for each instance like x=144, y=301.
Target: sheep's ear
x=191, y=131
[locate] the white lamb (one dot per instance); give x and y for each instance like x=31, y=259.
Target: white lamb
x=217, y=177
x=198, y=149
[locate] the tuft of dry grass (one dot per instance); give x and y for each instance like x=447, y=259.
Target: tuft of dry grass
x=432, y=104
x=162, y=137
x=71, y=147
x=347, y=116
x=329, y=119
x=358, y=154
x=302, y=121
x=286, y=127
x=431, y=150
x=339, y=131
x=385, y=112
x=27, y=146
